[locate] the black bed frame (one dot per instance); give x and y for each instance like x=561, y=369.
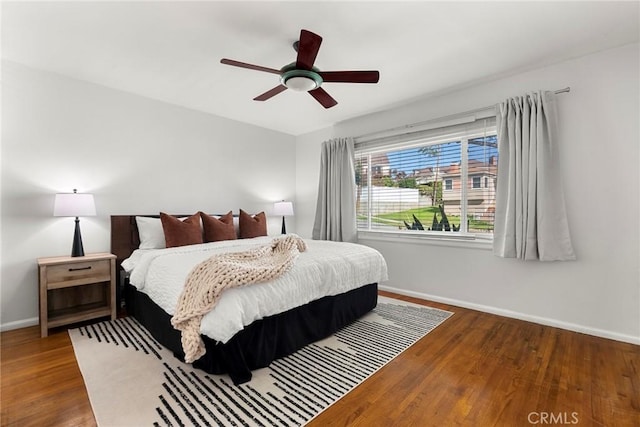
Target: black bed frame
x=259, y=343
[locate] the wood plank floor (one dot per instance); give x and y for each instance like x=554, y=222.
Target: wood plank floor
x=476, y=369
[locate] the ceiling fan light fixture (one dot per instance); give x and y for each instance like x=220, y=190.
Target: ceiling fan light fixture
x=301, y=80
x=301, y=84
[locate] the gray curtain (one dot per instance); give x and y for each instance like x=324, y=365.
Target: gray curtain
x=531, y=221
x=336, y=207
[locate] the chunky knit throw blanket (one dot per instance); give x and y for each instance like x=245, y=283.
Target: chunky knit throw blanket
x=208, y=279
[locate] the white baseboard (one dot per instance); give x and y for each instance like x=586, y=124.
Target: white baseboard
x=19, y=324
x=516, y=315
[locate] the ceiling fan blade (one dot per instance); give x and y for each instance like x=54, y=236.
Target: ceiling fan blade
x=308, y=48
x=350, y=76
x=323, y=97
x=249, y=66
x=270, y=93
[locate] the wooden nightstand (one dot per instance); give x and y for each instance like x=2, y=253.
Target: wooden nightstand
x=74, y=289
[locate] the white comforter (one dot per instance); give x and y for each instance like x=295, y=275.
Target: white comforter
x=326, y=268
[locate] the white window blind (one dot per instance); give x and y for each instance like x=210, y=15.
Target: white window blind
x=432, y=182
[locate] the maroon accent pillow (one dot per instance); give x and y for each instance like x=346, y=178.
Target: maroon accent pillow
x=216, y=229
x=252, y=226
x=181, y=233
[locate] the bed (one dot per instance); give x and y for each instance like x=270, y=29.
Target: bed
x=271, y=332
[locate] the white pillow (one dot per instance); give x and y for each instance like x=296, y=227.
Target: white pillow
x=151, y=233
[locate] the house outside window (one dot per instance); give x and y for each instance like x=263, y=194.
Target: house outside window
x=421, y=191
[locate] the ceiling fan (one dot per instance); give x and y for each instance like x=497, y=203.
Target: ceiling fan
x=302, y=76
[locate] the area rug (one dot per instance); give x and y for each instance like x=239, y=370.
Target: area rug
x=134, y=381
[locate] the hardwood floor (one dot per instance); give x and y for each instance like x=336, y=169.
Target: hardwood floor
x=476, y=369
x=41, y=381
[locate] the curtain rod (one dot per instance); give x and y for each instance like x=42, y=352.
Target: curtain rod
x=412, y=125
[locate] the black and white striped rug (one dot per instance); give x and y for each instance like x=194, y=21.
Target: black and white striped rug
x=133, y=381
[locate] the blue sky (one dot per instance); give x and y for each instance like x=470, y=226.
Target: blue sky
x=410, y=159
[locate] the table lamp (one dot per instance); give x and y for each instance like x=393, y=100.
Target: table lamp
x=77, y=205
x=285, y=209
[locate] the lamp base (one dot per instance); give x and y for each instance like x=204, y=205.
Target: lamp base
x=284, y=227
x=77, y=249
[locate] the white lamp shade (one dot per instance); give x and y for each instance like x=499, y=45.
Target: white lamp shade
x=283, y=208
x=74, y=204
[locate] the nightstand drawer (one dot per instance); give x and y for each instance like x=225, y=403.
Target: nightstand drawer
x=78, y=273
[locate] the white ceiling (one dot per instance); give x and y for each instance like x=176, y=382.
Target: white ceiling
x=171, y=51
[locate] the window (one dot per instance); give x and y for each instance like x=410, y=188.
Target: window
x=448, y=184
x=429, y=182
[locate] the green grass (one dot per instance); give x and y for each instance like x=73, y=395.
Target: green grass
x=478, y=225
x=425, y=216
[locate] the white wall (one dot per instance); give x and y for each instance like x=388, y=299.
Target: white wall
x=598, y=143
x=134, y=154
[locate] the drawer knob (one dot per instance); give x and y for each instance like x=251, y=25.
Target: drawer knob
x=80, y=268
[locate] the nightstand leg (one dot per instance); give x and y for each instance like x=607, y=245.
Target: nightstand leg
x=115, y=304
x=44, y=328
